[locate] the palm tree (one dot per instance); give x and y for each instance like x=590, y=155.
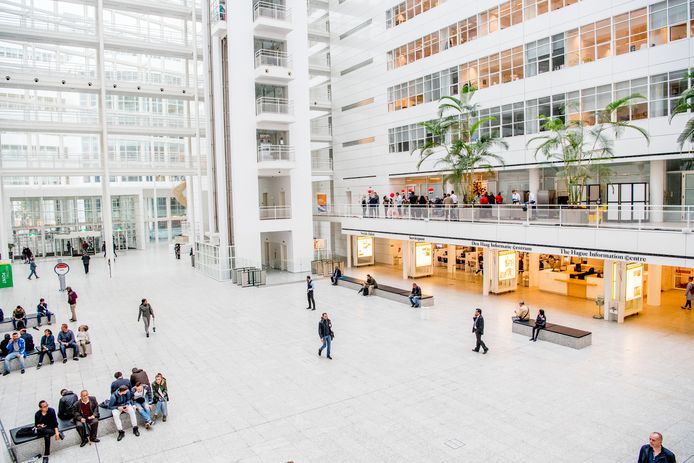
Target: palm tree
x=468, y=150
x=684, y=104
x=577, y=144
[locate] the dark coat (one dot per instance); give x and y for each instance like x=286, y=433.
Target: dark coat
x=118, y=383
x=93, y=407
x=416, y=291
x=48, y=342
x=325, y=328
x=139, y=376
x=66, y=404
x=665, y=456
x=478, y=325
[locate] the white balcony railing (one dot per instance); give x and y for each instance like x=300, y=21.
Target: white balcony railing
x=143, y=33
x=49, y=115
x=321, y=165
x=321, y=128
x=321, y=26
x=271, y=10
x=33, y=159
x=272, y=58
x=133, y=119
x=47, y=68
x=275, y=153
x=32, y=20
x=630, y=217
x=275, y=212
x=319, y=60
x=273, y=105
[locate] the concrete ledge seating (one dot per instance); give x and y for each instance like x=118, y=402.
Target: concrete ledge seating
x=387, y=292
x=6, y=324
x=32, y=358
x=556, y=334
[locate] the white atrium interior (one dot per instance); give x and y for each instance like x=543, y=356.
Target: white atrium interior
x=233, y=161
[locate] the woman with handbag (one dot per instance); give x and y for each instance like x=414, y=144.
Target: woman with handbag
x=540, y=323
x=325, y=332
x=160, y=394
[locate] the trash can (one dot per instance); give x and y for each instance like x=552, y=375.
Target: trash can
x=6, y=275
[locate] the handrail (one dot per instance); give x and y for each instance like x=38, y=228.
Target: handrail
x=275, y=212
x=272, y=58
x=630, y=217
x=266, y=104
x=275, y=153
x=271, y=11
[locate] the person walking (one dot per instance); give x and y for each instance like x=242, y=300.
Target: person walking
x=325, y=332
x=177, y=251
x=72, y=302
x=309, y=293
x=86, y=416
x=85, y=262
x=478, y=329
x=32, y=268
x=146, y=313
x=689, y=294
x=654, y=452
x=540, y=323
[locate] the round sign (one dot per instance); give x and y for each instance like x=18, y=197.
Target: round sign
x=61, y=268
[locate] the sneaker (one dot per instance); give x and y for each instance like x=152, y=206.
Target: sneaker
x=45, y=460
x=475, y=350
x=147, y=334
x=6, y=373
x=52, y=362
x=75, y=359
x=61, y=435
x=485, y=350
x=147, y=425
x=121, y=435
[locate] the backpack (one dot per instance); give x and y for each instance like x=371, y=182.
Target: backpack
x=2, y=316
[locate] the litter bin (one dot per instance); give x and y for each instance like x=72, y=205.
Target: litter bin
x=6, y=275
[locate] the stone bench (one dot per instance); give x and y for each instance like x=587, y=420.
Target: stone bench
x=387, y=292
x=6, y=325
x=32, y=358
x=556, y=334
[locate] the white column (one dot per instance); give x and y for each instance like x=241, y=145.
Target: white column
x=207, y=86
x=451, y=258
x=657, y=190
x=155, y=212
x=487, y=270
x=406, y=259
x=168, y=216
x=192, y=211
x=140, y=229
x=5, y=224
x=615, y=275
x=534, y=269
x=106, y=212
x=349, y=251
x=534, y=180
x=242, y=133
x=655, y=275
x=221, y=208
x=300, y=136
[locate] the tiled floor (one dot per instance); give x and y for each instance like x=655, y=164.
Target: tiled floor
x=247, y=386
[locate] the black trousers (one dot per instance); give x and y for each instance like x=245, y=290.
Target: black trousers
x=688, y=304
x=536, y=332
x=86, y=268
x=44, y=353
x=480, y=343
x=47, y=434
x=311, y=300
x=92, y=425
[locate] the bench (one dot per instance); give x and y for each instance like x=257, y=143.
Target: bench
x=387, y=292
x=32, y=320
x=557, y=334
x=32, y=358
x=33, y=445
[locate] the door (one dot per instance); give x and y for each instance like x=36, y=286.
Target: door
x=266, y=254
x=283, y=257
x=688, y=196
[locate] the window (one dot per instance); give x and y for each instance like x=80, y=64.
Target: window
x=639, y=107
x=630, y=31
x=407, y=10
x=537, y=57
x=667, y=21
x=512, y=64
x=535, y=8
x=358, y=104
x=361, y=141
x=424, y=90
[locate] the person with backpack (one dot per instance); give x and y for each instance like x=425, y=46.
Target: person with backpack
x=689, y=294
x=146, y=313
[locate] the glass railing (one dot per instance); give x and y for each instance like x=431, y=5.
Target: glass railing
x=133, y=119
x=165, y=36
x=275, y=153
x=271, y=10
x=319, y=60
x=48, y=68
x=41, y=160
x=321, y=26
x=321, y=164
x=33, y=20
x=275, y=212
x=273, y=105
x=321, y=128
x=49, y=115
x=272, y=58
x=319, y=95
x=632, y=216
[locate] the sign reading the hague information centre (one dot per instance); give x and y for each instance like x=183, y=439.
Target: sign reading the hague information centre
x=6, y=275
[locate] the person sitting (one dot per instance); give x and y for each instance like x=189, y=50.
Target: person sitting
x=46, y=424
x=540, y=323
x=19, y=315
x=142, y=400
x=160, y=396
x=138, y=376
x=42, y=311
x=415, y=295
x=82, y=339
x=15, y=350
x=122, y=402
x=46, y=347
x=522, y=312
x=68, y=399
x=3, y=345
x=66, y=338
x=120, y=381
x=368, y=286
x=29, y=346
x=337, y=273
x=86, y=417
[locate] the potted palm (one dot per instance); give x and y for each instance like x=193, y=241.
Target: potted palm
x=456, y=137
x=579, y=147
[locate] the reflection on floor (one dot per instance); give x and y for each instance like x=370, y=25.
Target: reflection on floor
x=668, y=317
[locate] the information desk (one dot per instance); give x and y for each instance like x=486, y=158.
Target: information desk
x=561, y=283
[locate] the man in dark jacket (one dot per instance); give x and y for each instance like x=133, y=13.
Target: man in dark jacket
x=415, y=295
x=66, y=338
x=86, y=416
x=138, y=376
x=122, y=402
x=29, y=346
x=654, y=452
x=120, y=381
x=85, y=262
x=325, y=332
x=66, y=404
x=337, y=273
x=478, y=329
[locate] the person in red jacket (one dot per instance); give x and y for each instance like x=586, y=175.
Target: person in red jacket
x=499, y=198
x=72, y=301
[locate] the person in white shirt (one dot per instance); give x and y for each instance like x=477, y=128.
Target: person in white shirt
x=515, y=197
x=454, y=200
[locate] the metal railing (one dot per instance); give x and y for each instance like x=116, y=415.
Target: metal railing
x=271, y=11
x=41, y=160
x=49, y=68
x=273, y=105
x=631, y=217
x=33, y=20
x=161, y=35
x=133, y=119
x=321, y=164
x=49, y=115
x=321, y=128
x=275, y=212
x=272, y=58
x=275, y=153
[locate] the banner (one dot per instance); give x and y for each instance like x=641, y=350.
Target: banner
x=322, y=202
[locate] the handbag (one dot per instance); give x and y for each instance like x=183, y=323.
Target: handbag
x=27, y=431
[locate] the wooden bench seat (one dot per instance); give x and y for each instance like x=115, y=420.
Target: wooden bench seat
x=556, y=334
x=387, y=292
